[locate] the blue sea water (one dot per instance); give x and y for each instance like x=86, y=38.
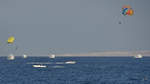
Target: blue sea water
x=87, y=70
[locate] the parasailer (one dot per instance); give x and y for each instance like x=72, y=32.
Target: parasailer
x=12, y=47
x=127, y=10
x=11, y=40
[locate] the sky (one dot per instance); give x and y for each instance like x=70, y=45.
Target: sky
x=73, y=26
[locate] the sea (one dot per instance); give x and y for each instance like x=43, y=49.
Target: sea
x=84, y=70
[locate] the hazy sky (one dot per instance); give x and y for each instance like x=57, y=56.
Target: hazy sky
x=73, y=26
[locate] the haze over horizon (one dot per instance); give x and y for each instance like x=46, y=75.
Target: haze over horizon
x=74, y=26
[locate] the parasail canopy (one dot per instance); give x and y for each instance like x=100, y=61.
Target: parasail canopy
x=11, y=40
x=127, y=10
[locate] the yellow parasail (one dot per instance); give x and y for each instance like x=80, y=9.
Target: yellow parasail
x=11, y=40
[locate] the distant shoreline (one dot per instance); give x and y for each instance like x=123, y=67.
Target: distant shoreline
x=79, y=56
x=98, y=54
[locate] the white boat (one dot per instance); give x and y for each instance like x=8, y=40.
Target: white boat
x=138, y=56
x=70, y=62
x=11, y=57
x=52, y=56
x=40, y=66
x=24, y=56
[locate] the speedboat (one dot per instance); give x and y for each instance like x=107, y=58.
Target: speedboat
x=52, y=56
x=138, y=56
x=39, y=66
x=24, y=56
x=11, y=57
x=70, y=62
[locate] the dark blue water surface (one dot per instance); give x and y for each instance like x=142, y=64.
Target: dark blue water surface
x=87, y=70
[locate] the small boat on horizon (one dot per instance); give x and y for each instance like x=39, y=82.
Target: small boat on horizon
x=24, y=56
x=138, y=56
x=11, y=57
x=52, y=56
